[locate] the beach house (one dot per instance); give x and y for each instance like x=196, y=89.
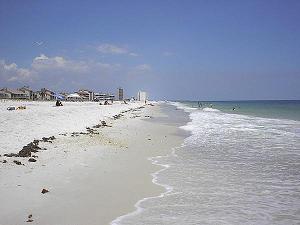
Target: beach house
x=3, y=95
x=74, y=97
x=47, y=95
x=86, y=95
x=13, y=94
x=27, y=91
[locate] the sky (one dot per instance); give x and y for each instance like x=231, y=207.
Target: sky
x=173, y=49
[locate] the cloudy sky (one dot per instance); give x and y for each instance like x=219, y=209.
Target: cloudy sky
x=174, y=49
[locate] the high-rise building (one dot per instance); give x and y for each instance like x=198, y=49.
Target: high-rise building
x=120, y=94
x=142, y=96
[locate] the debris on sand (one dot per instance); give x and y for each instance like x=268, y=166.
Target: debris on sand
x=74, y=134
x=11, y=155
x=91, y=131
x=44, y=191
x=17, y=162
x=31, y=147
x=49, y=139
x=4, y=161
x=29, y=219
x=31, y=160
x=118, y=116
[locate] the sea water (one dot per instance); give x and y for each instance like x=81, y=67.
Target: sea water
x=237, y=166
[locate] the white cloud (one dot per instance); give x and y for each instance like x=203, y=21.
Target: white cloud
x=143, y=68
x=111, y=49
x=11, y=72
x=43, y=62
x=115, y=50
x=44, y=65
x=140, y=69
x=133, y=54
x=168, y=54
x=61, y=73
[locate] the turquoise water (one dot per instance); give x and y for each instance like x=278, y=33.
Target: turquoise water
x=282, y=109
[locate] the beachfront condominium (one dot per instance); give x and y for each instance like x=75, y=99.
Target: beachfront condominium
x=142, y=96
x=120, y=94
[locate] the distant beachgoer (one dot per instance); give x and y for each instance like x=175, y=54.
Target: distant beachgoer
x=58, y=103
x=233, y=108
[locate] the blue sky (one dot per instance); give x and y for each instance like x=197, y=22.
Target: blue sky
x=206, y=50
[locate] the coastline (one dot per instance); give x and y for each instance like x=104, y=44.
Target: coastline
x=92, y=180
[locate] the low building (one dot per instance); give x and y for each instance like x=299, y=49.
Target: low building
x=13, y=94
x=27, y=91
x=103, y=97
x=86, y=95
x=37, y=96
x=47, y=95
x=142, y=96
x=64, y=95
x=74, y=97
x=4, y=95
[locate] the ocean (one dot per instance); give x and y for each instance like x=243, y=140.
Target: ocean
x=238, y=166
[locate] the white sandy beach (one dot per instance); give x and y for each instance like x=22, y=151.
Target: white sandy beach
x=42, y=119
x=92, y=179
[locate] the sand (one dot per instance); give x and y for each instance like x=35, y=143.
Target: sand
x=43, y=119
x=92, y=179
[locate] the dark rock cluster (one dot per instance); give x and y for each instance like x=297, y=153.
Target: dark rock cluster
x=44, y=191
x=91, y=131
x=49, y=139
x=18, y=162
x=118, y=116
x=30, y=148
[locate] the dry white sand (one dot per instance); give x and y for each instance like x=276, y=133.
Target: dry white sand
x=91, y=179
x=43, y=119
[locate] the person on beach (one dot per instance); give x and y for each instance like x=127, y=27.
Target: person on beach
x=58, y=103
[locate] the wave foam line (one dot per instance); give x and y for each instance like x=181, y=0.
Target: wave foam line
x=169, y=189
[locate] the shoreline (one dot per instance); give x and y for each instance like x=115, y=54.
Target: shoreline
x=167, y=188
x=102, y=162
